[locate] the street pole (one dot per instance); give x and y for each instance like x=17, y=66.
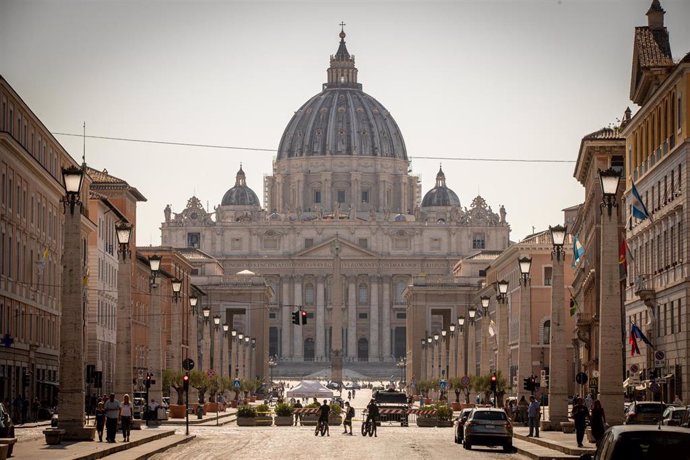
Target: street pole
x=186, y=412
x=558, y=363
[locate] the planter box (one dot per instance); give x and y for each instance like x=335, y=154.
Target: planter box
x=53, y=436
x=456, y=406
x=427, y=422
x=310, y=419
x=444, y=423
x=263, y=420
x=246, y=421
x=4, y=448
x=335, y=420
x=252, y=399
x=177, y=411
x=9, y=442
x=211, y=407
x=233, y=403
x=283, y=420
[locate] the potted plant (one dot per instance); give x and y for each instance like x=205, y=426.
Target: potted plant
x=456, y=384
x=246, y=416
x=199, y=381
x=429, y=419
x=444, y=415
x=334, y=416
x=424, y=386
x=284, y=413
x=173, y=379
x=212, y=405
x=263, y=415
x=311, y=419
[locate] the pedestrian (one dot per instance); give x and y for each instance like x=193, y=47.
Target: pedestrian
x=598, y=421
x=298, y=415
x=126, y=417
x=35, y=406
x=677, y=401
x=533, y=413
x=589, y=402
x=349, y=415
x=17, y=406
x=112, y=413
x=580, y=415
x=522, y=410
x=100, y=420
x=349, y=395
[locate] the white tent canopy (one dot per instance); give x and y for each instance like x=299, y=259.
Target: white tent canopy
x=309, y=389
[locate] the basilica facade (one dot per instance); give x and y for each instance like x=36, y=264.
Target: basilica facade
x=341, y=173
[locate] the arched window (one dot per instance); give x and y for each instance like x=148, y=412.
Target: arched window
x=546, y=332
x=363, y=296
x=399, y=288
x=309, y=294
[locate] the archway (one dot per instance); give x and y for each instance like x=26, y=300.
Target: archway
x=363, y=349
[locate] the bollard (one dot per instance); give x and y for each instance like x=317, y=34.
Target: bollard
x=199, y=412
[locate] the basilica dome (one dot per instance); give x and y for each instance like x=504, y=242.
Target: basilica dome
x=342, y=119
x=240, y=194
x=440, y=195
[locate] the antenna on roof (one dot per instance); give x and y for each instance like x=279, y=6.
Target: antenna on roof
x=83, y=154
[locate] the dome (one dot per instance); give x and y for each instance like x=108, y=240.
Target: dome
x=240, y=194
x=440, y=195
x=342, y=119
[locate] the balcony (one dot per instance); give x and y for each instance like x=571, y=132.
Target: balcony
x=644, y=288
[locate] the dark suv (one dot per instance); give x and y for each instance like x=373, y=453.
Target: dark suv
x=644, y=412
x=391, y=399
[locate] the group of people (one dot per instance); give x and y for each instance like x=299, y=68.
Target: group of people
x=109, y=411
x=592, y=410
x=20, y=409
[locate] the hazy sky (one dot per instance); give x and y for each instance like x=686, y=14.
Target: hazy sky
x=464, y=79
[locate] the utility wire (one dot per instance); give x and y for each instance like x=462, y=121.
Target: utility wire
x=258, y=149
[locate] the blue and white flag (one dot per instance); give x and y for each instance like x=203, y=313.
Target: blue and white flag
x=578, y=251
x=639, y=210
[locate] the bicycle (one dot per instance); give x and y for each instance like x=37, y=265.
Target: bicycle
x=368, y=426
x=321, y=427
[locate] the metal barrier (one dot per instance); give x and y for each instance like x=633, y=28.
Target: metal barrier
x=413, y=413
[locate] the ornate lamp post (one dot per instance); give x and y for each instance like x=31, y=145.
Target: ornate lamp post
x=72, y=378
x=429, y=358
x=226, y=328
x=611, y=311
x=176, y=289
x=462, y=347
x=240, y=343
x=272, y=362
x=558, y=364
x=215, y=337
x=233, y=345
x=484, y=360
x=422, y=374
x=525, y=337
x=123, y=345
x=503, y=350
x=155, y=360
x=472, y=343
x=193, y=301
x=452, y=354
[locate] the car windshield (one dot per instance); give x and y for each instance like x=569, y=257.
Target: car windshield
x=649, y=408
x=649, y=445
x=489, y=415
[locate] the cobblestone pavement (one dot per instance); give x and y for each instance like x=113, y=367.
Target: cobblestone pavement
x=299, y=442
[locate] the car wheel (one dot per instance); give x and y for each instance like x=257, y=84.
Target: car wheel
x=467, y=445
x=508, y=447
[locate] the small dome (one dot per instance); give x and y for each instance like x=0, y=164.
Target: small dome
x=240, y=194
x=440, y=195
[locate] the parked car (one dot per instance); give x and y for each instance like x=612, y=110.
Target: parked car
x=644, y=412
x=673, y=415
x=333, y=386
x=6, y=425
x=488, y=426
x=353, y=386
x=642, y=442
x=460, y=424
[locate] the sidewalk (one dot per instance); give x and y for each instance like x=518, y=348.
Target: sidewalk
x=207, y=420
x=160, y=439
x=550, y=444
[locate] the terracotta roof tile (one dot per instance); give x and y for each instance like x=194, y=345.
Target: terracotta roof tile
x=654, y=49
x=604, y=134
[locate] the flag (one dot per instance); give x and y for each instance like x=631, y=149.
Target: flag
x=578, y=251
x=478, y=313
x=640, y=335
x=623, y=259
x=492, y=328
x=639, y=210
x=633, y=344
x=573, y=306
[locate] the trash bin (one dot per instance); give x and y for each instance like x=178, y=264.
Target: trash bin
x=199, y=412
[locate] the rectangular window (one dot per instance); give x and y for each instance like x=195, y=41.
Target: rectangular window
x=317, y=196
x=363, y=315
x=341, y=196
x=401, y=315
x=271, y=316
x=363, y=243
x=308, y=242
x=365, y=196
x=194, y=240
x=548, y=273
x=436, y=244
x=478, y=241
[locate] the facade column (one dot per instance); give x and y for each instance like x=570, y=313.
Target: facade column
x=484, y=365
x=286, y=313
x=298, y=342
x=386, y=352
x=452, y=356
x=205, y=365
x=72, y=378
x=351, y=320
x=610, y=333
x=429, y=359
x=462, y=368
x=154, y=336
x=558, y=364
x=123, y=345
x=374, y=319
x=503, y=349
x=320, y=320
x=217, y=350
x=176, y=334
x=525, y=337
x=444, y=358
x=472, y=349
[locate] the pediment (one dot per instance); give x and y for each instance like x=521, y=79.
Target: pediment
x=348, y=250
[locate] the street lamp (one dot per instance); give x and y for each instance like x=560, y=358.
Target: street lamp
x=155, y=264
x=472, y=312
x=461, y=324
x=435, y=339
x=226, y=326
x=610, y=179
x=216, y=321
x=176, y=288
x=558, y=239
x=193, y=300
x=72, y=178
x=206, y=312
x=271, y=364
x=443, y=333
x=485, y=303
x=233, y=333
x=123, y=231
x=502, y=291
x=525, y=263
x=452, y=330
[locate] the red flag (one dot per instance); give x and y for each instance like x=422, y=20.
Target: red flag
x=633, y=344
x=623, y=260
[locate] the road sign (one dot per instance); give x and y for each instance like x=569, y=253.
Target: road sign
x=655, y=387
x=236, y=383
x=443, y=384
x=634, y=368
x=581, y=378
x=659, y=354
x=211, y=373
x=188, y=364
x=465, y=381
x=659, y=358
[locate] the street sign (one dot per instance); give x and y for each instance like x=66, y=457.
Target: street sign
x=465, y=381
x=211, y=373
x=581, y=378
x=659, y=358
x=443, y=384
x=634, y=368
x=236, y=383
x=655, y=387
x=188, y=364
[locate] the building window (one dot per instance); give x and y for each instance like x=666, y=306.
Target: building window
x=271, y=316
x=478, y=241
x=309, y=294
x=341, y=196
x=363, y=294
x=546, y=338
x=363, y=243
x=436, y=244
x=618, y=163
x=308, y=242
x=365, y=196
x=401, y=315
x=548, y=274
x=194, y=240
x=317, y=196
x=363, y=315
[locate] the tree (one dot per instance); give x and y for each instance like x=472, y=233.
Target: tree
x=199, y=380
x=173, y=379
x=213, y=388
x=482, y=384
x=456, y=384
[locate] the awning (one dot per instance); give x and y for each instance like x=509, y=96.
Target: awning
x=46, y=382
x=630, y=382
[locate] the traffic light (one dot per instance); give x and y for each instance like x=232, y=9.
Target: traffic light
x=493, y=382
x=304, y=317
x=295, y=318
x=149, y=380
x=185, y=381
x=527, y=384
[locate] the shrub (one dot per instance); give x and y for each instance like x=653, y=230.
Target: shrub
x=444, y=412
x=246, y=411
x=313, y=405
x=336, y=409
x=284, y=410
x=263, y=409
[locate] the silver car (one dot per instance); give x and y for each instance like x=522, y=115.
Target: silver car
x=488, y=426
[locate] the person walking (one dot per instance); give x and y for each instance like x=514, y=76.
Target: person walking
x=580, y=415
x=533, y=412
x=112, y=413
x=126, y=417
x=100, y=420
x=598, y=421
x=349, y=415
x=298, y=415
